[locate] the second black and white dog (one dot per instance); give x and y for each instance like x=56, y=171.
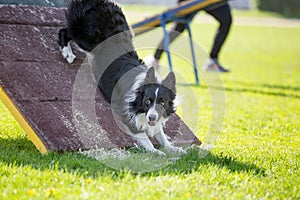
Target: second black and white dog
x=141, y=100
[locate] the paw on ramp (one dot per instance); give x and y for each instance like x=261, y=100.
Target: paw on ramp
x=36, y=85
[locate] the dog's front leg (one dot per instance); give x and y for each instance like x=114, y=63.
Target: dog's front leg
x=67, y=53
x=144, y=141
x=163, y=140
x=65, y=47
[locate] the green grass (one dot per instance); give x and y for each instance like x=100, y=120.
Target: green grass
x=256, y=155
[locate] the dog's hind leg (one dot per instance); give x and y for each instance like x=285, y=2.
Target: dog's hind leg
x=144, y=141
x=65, y=47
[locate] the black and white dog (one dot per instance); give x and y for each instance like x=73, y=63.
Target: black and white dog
x=141, y=100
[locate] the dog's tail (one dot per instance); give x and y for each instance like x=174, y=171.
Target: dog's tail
x=90, y=22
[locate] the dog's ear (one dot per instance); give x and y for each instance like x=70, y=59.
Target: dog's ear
x=170, y=82
x=150, y=76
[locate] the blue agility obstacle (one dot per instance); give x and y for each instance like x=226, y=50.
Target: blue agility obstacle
x=184, y=12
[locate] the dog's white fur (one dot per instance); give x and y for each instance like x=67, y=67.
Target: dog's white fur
x=67, y=53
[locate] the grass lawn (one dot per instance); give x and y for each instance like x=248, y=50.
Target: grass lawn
x=256, y=154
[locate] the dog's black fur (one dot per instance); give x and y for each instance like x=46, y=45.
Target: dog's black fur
x=142, y=102
x=90, y=22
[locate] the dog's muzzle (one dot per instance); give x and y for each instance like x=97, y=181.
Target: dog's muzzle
x=152, y=119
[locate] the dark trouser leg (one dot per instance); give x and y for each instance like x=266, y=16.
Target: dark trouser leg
x=173, y=34
x=223, y=16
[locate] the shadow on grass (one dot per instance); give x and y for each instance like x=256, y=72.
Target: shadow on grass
x=21, y=152
x=282, y=87
x=258, y=91
x=192, y=162
x=264, y=89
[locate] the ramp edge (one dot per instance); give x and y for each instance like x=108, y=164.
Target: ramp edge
x=10, y=105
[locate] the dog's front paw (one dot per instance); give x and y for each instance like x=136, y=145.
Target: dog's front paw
x=179, y=150
x=68, y=54
x=158, y=152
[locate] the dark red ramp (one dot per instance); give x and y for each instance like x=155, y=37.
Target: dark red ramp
x=36, y=85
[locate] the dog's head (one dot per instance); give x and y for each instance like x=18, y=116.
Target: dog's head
x=154, y=99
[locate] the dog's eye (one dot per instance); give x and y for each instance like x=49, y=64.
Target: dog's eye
x=161, y=101
x=148, y=102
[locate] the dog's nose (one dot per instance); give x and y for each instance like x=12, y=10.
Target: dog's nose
x=152, y=118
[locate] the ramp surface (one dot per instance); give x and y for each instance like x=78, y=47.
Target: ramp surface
x=36, y=85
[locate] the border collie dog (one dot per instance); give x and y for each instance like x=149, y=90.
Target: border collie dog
x=140, y=99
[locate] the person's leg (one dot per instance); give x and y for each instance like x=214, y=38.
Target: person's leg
x=223, y=15
x=151, y=60
x=173, y=34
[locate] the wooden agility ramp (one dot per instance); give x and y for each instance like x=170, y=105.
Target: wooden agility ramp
x=36, y=86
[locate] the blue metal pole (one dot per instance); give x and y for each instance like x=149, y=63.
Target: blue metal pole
x=166, y=40
x=192, y=49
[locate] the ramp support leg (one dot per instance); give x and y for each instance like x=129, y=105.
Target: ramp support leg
x=166, y=40
x=188, y=21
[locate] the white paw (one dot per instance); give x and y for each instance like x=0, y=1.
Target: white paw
x=71, y=58
x=179, y=150
x=150, y=61
x=159, y=152
x=68, y=54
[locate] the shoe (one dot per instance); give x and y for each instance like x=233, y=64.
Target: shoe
x=150, y=61
x=214, y=66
